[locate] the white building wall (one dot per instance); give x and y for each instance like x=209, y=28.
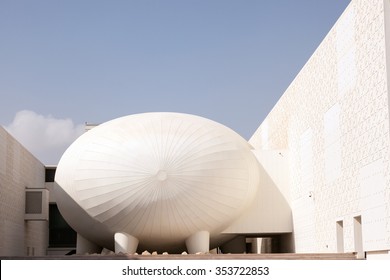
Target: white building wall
x=334, y=120
x=19, y=170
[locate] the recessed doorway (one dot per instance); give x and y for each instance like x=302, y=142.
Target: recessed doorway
x=340, y=236
x=358, y=236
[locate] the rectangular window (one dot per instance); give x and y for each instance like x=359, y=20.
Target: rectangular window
x=33, y=202
x=36, y=204
x=50, y=173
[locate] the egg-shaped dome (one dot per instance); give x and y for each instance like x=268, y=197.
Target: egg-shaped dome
x=159, y=177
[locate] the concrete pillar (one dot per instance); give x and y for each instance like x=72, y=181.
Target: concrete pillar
x=198, y=242
x=125, y=243
x=84, y=246
x=256, y=245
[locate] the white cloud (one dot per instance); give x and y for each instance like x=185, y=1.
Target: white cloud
x=44, y=136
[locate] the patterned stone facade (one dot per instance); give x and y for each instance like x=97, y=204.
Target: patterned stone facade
x=19, y=170
x=334, y=120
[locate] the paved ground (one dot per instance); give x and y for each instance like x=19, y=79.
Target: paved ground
x=288, y=256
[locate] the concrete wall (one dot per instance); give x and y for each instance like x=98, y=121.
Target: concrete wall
x=19, y=170
x=334, y=121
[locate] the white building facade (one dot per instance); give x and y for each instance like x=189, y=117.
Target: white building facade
x=333, y=125
x=24, y=229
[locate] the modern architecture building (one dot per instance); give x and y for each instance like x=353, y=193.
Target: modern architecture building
x=155, y=181
x=323, y=159
x=332, y=124
x=30, y=223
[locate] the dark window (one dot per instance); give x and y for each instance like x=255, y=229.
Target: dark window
x=50, y=174
x=60, y=233
x=33, y=202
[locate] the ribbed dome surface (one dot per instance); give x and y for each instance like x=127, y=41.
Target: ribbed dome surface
x=159, y=176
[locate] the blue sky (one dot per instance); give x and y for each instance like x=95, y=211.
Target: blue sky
x=63, y=63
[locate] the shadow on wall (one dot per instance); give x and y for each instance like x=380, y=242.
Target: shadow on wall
x=270, y=214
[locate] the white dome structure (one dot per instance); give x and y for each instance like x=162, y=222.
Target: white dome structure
x=161, y=179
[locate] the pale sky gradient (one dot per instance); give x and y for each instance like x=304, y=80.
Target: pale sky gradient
x=63, y=63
